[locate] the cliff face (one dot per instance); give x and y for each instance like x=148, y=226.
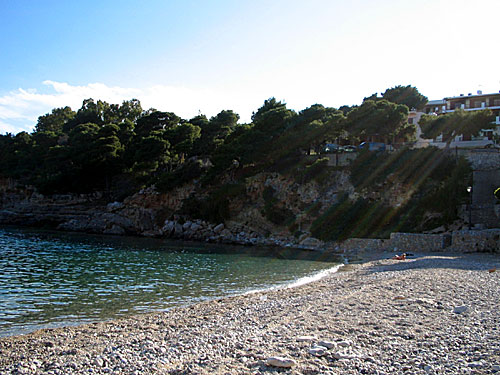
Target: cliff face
x=150, y=213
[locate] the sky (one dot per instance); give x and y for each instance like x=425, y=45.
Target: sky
x=192, y=57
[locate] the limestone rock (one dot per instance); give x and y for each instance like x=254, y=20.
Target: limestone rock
x=460, y=309
x=168, y=227
x=115, y=229
x=318, y=351
x=219, y=228
x=280, y=362
x=306, y=338
x=177, y=230
x=327, y=344
x=311, y=242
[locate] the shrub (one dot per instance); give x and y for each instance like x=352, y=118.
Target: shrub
x=185, y=173
x=272, y=212
x=214, y=208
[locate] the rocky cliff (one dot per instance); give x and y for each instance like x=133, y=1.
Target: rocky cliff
x=150, y=213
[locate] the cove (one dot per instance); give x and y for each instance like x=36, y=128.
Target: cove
x=50, y=279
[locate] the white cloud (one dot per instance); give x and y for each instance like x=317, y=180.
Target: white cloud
x=20, y=109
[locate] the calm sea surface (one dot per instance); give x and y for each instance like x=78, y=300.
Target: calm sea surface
x=51, y=279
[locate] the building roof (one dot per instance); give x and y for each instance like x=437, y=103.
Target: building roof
x=436, y=102
x=471, y=96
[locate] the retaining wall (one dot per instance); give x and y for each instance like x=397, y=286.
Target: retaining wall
x=465, y=241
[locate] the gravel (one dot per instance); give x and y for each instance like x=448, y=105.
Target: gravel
x=430, y=314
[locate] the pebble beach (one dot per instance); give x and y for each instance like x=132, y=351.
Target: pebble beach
x=429, y=314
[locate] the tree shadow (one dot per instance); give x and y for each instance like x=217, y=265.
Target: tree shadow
x=467, y=262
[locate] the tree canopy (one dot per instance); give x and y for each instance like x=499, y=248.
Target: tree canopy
x=458, y=122
x=101, y=145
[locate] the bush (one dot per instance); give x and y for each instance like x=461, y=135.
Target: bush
x=360, y=218
x=272, y=212
x=214, y=208
x=185, y=173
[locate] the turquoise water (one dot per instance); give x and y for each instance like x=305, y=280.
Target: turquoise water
x=52, y=279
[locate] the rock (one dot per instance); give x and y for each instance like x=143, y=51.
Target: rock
x=280, y=362
x=344, y=343
x=115, y=229
x=98, y=362
x=305, y=338
x=219, y=228
x=114, y=206
x=475, y=365
x=168, y=227
x=327, y=344
x=460, y=309
x=318, y=351
x=178, y=230
x=195, y=227
x=495, y=368
x=226, y=233
x=343, y=355
x=187, y=225
x=311, y=242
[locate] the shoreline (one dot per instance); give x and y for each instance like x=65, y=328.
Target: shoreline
x=379, y=315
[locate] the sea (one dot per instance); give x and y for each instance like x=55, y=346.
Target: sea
x=51, y=279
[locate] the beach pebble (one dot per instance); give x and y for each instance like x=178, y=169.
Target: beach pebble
x=280, y=362
x=327, y=344
x=344, y=343
x=318, y=351
x=305, y=338
x=460, y=309
x=495, y=368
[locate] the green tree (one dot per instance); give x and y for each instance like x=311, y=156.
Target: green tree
x=215, y=131
x=55, y=121
x=156, y=121
x=377, y=118
x=449, y=125
x=407, y=95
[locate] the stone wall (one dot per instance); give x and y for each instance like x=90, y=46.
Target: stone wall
x=487, y=240
x=481, y=159
x=465, y=241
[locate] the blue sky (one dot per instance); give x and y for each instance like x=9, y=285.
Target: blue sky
x=190, y=56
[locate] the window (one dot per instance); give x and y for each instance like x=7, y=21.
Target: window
x=496, y=103
x=410, y=120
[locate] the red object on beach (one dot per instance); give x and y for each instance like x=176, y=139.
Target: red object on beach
x=399, y=257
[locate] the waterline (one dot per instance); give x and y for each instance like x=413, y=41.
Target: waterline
x=51, y=279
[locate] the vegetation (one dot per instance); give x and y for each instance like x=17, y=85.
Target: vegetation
x=119, y=149
x=436, y=184
x=455, y=123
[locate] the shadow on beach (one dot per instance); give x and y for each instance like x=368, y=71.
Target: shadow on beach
x=466, y=262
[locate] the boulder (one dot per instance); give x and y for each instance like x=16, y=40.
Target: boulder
x=178, y=230
x=168, y=228
x=195, y=227
x=114, y=206
x=219, y=228
x=311, y=242
x=115, y=229
x=226, y=233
